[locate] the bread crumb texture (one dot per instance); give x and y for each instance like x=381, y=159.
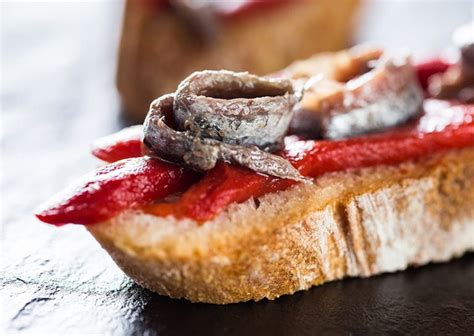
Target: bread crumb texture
x=356, y=223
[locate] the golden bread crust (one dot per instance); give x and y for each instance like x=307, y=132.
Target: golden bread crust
x=357, y=223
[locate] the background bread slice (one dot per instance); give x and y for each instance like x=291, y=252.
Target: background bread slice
x=355, y=223
x=158, y=49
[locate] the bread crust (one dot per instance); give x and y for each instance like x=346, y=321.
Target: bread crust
x=356, y=223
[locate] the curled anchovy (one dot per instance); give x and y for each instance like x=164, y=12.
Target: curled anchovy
x=203, y=153
x=385, y=96
x=235, y=108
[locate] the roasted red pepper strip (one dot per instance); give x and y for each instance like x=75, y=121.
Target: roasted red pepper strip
x=136, y=182
x=221, y=186
x=443, y=127
x=113, y=188
x=427, y=68
x=121, y=145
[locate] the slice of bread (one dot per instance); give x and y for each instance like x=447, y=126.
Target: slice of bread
x=356, y=223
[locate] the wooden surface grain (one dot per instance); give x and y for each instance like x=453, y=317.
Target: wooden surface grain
x=58, y=94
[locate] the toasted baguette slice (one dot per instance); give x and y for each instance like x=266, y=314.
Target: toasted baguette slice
x=357, y=223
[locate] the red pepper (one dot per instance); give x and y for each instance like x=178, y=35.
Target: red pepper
x=121, y=145
x=221, y=186
x=113, y=188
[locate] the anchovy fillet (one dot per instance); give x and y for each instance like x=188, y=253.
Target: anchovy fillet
x=189, y=147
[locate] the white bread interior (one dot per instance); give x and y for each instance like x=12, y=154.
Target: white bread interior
x=355, y=223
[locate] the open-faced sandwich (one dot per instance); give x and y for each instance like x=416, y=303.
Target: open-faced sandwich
x=240, y=187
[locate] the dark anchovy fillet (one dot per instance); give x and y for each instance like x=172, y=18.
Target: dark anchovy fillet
x=386, y=96
x=395, y=100
x=235, y=108
x=184, y=147
x=161, y=139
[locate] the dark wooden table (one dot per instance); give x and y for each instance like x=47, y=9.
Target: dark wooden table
x=58, y=94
